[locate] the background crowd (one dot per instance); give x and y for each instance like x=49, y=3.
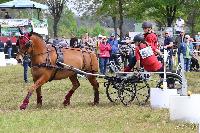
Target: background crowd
x=110, y=48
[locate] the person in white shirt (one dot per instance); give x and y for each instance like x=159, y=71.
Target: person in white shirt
x=179, y=26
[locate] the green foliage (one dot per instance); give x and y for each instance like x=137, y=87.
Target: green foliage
x=2, y=1
x=81, y=31
x=98, y=29
x=67, y=24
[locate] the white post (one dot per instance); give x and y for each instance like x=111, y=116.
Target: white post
x=184, y=81
x=165, y=77
x=2, y=59
x=199, y=128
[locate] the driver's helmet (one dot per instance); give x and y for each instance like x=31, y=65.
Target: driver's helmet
x=146, y=25
x=139, y=38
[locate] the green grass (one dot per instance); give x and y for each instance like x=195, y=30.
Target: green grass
x=79, y=117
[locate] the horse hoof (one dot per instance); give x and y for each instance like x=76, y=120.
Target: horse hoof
x=23, y=107
x=66, y=103
x=39, y=105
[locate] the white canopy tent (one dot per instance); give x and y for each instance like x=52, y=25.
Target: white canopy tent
x=19, y=4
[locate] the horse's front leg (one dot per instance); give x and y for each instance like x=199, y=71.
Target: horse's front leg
x=37, y=84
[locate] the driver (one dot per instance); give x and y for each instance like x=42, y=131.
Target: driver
x=145, y=56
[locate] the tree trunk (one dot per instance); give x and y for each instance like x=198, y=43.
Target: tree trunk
x=55, y=28
x=121, y=21
x=115, y=24
x=191, y=20
x=170, y=12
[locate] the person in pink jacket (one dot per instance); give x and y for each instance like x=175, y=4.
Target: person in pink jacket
x=104, y=55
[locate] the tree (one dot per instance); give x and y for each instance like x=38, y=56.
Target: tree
x=113, y=8
x=68, y=24
x=162, y=11
x=109, y=8
x=56, y=9
x=2, y=1
x=193, y=12
x=98, y=29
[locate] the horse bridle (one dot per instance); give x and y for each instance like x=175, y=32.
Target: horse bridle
x=28, y=44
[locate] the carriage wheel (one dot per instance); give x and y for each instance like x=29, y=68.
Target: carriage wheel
x=127, y=93
x=173, y=82
x=142, y=92
x=112, y=92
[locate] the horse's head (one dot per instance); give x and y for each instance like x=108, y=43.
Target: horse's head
x=25, y=44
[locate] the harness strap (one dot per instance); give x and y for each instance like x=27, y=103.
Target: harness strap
x=90, y=61
x=83, y=59
x=54, y=74
x=48, y=59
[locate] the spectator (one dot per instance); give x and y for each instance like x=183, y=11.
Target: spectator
x=26, y=62
x=131, y=54
x=87, y=40
x=1, y=46
x=7, y=16
x=99, y=40
x=161, y=41
x=179, y=25
x=186, y=49
x=56, y=41
x=179, y=39
x=194, y=66
x=9, y=47
x=47, y=39
x=73, y=41
x=104, y=54
x=114, y=48
x=63, y=42
x=1, y=14
x=197, y=38
x=168, y=44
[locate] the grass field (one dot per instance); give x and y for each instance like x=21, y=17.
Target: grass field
x=79, y=117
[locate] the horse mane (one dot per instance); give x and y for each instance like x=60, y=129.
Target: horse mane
x=36, y=34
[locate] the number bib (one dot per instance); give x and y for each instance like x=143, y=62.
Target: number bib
x=146, y=52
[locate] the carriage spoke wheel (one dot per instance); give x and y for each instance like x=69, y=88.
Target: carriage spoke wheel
x=142, y=93
x=112, y=92
x=127, y=93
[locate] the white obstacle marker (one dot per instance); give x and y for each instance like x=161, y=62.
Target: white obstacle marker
x=159, y=98
x=11, y=61
x=2, y=59
x=185, y=108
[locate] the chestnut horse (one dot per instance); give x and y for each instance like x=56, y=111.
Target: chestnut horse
x=44, y=67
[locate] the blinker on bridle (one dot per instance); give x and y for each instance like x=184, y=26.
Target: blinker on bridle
x=28, y=43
